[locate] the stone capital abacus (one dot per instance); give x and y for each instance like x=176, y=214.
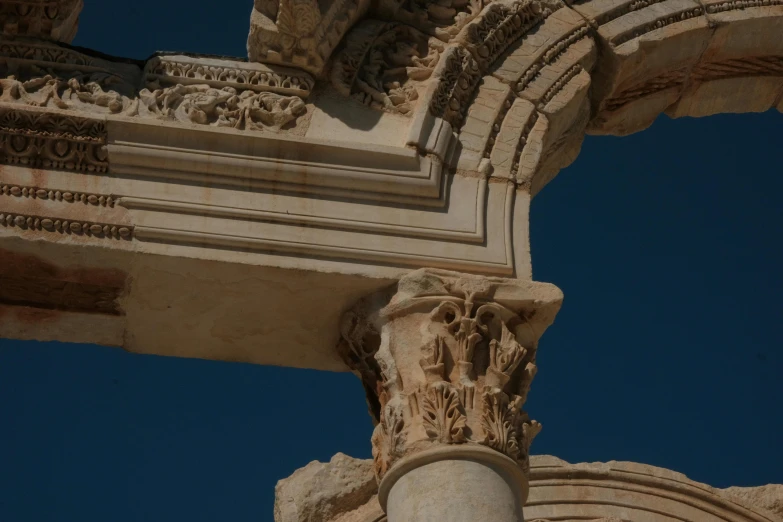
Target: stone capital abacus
x=447, y=362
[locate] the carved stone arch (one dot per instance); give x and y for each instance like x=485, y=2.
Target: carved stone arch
x=608, y=67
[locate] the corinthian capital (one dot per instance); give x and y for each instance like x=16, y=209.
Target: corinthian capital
x=447, y=361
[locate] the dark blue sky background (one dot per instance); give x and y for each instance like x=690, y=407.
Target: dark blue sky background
x=668, y=349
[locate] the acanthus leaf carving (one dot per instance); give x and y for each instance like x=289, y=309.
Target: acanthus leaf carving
x=452, y=362
x=500, y=424
x=504, y=358
x=443, y=419
x=51, y=140
x=67, y=226
x=432, y=363
x=168, y=70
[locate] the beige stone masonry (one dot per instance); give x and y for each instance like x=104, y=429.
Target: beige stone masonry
x=373, y=140
x=47, y=19
x=356, y=196
x=558, y=491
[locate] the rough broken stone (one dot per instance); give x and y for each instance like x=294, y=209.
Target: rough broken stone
x=769, y=497
x=323, y=492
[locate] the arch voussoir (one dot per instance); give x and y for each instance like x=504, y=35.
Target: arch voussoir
x=612, y=67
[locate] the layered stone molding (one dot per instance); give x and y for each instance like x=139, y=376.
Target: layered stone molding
x=558, y=492
x=376, y=139
x=356, y=196
x=362, y=141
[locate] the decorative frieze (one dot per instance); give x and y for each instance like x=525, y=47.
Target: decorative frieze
x=56, y=195
x=52, y=140
x=555, y=51
x=500, y=25
x=456, y=78
x=723, y=7
x=449, y=360
x=66, y=226
x=560, y=83
x=48, y=19
x=168, y=70
x=659, y=23
x=191, y=90
x=384, y=65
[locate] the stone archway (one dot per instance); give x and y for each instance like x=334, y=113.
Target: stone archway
x=355, y=197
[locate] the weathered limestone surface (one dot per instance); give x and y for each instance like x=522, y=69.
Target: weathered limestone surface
x=598, y=492
x=636, y=492
x=47, y=19
x=769, y=498
x=448, y=360
x=332, y=491
x=363, y=141
x=356, y=196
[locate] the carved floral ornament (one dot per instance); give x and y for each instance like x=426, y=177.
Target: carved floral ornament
x=48, y=19
x=448, y=362
x=218, y=93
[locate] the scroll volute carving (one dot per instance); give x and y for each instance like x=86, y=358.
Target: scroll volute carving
x=452, y=364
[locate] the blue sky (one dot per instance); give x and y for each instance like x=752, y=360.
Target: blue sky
x=668, y=349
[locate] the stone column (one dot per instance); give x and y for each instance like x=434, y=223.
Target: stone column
x=447, y=360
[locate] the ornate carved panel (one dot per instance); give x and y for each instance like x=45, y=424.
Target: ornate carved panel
x=449, y=360
x=301, y=33
x=385, y=65
x=52, y=140
x=190, y=90
x=48, y=19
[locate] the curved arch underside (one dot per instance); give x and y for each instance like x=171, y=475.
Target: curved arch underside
x=612, y=67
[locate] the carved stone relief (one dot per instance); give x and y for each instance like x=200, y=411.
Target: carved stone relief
x=48, y=19
x=198, y=91
x=384, y=65
x=443, y=20
x=301, y=33
x=66, y=226
x=454, y=364
x=170, y=70
x=52, y=140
